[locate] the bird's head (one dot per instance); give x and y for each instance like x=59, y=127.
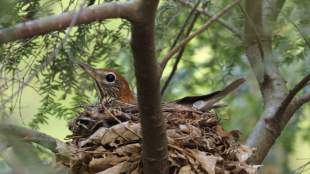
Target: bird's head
x=109, y=84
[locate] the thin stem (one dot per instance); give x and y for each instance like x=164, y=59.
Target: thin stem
x=203, y=28
x=219, y=20
x=189, y=15
x=178, y=58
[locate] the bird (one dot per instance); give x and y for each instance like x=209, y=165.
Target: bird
x=111, y=85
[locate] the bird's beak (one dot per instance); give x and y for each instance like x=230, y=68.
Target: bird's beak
x=90, y=71
x=96, y=78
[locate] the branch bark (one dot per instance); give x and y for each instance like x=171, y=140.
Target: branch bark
x=210, y=15
x=22, y=132
x=147, y=71
x=45, y=25
x=300, y=85
x=272, y=84
x=256, y=32
x=267, y=131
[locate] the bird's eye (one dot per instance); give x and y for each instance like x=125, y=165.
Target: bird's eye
x=110, y=77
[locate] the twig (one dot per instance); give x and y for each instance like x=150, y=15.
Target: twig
x=302, y=35
x=301, y=169
x=173, y=17
x=184, y=24
x=9, y=54
x=219, y=20
x=282, y=108
x=119, y=134
x=119, y=121
x=53, y=55
x=204, y=27
x=100, y=152
x=175, y=147
x=178, y=58
x=302, y=158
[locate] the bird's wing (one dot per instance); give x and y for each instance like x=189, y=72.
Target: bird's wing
x=189, y=100
x=210, y=102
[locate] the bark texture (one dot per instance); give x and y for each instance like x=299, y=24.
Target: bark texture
x=272, y=85
x=45, y=25
x=147, y=71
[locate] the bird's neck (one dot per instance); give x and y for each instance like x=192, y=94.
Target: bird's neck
x=127, y=97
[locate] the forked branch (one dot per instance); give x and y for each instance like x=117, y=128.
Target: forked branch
x=282, y=108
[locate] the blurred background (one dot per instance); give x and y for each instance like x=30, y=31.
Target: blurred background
x=209, y=62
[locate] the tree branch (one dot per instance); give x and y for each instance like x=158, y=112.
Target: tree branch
x=22, y=132
x=22, y=158
x=273, y=88
x=147, y=71
x=164, y=61
x=107, y=10
x=282, y=108
x=266, y=131
x=254, y=11
x=210, y=15
x=272, y=84
x=178, y=58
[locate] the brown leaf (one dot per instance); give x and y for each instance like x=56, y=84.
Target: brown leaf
x=185, y=170
x=234, y=135
x=243, y=152
x=220, y=131
x=129, y=149
x=101, y=164
x=123, y=167
x=207, y=162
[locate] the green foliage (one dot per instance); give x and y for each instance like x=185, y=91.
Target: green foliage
x=93, y=43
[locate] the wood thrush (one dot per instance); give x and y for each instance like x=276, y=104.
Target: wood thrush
x=111, y=85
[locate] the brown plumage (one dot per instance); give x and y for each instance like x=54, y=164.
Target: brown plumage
x=111, y=85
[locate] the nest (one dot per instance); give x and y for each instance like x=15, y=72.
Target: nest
x=108, y=140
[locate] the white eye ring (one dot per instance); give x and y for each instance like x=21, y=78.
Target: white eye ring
x=110, y=77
